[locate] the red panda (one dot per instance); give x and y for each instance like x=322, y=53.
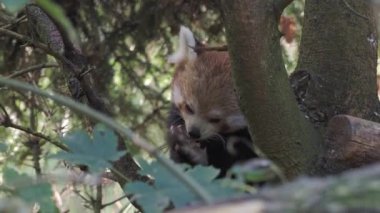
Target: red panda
x=205, y=122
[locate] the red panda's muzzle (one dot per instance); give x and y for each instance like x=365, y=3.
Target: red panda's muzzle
x=194, y=133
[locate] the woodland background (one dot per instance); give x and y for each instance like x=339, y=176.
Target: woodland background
x=124, y=45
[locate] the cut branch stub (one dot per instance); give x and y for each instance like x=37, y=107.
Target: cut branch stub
x=351, y=142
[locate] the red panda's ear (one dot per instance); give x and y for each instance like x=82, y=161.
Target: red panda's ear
x=185, y=51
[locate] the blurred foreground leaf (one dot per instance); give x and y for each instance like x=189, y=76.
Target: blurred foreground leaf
x=29, y=189
x=166, y=188
x=14, y=6
x=96, y=152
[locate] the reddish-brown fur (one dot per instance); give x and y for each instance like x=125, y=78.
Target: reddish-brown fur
x=206, y=85
x=205, y=123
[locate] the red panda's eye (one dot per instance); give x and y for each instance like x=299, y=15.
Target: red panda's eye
x=214, y=120
x=189, y=109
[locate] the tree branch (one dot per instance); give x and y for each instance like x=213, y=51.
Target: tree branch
x=14, y=22
x=98, y=199
x=42, y=46
x=7, y=122
x=31, y=69
x=115, y=201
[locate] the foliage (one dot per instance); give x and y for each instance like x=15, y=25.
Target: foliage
x=91, y=152
x=30, y=190
x=166, y=190
x=14, y=5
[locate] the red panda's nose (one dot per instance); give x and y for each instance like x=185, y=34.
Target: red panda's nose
x=194, y=133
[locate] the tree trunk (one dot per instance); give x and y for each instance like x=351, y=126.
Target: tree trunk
x=339, y=52
x=279, y=130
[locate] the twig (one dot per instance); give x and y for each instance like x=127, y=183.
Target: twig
x=76, y=191
x=148, y=118
x=126, y=208
x=8, y=123
x=36, y=152
x=37, y=134
x=114, y=170
x=220, y=48
x=25, y=39
x=90, y=69
x=354, y=11
x=34, y=143
x=31, y=69
x=7, y=189
x=41, y=46
x=17, y=21
x=5, y=112
x=188, y=181
x=114, y=201
x=98, y=200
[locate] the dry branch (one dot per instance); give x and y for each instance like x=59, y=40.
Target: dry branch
x=31, y=69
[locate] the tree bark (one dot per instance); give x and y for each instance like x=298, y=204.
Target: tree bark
x=279, y=130
x=339, y=51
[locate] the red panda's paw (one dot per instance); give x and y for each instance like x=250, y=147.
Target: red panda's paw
x=185, y=149
x=193, y=153
x=179, y=132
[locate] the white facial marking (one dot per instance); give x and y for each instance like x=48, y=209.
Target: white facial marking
x=215, y=112
x=205, y=128
x=236, y=121
x=176, y=95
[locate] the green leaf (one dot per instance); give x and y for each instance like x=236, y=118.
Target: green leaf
x=12, y=178
x=14, y=6
x=40, y=193
x=29, y=190
x=101, y=135
x=206, y=176
x=148, y=198
x=96, y=153
x=168, y=187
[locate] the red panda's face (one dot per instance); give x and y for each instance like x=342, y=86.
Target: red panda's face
x=202, y=90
